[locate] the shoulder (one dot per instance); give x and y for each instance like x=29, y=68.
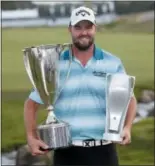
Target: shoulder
x=111, y=62
x=64, y=55
x=110, y=56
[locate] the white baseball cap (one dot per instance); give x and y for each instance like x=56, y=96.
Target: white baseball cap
x=82, y=13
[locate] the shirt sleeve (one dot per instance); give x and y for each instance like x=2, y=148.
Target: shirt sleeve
x=34, y=95
x=121, y=68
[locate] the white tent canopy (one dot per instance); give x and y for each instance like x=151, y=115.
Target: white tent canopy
x=54, y=2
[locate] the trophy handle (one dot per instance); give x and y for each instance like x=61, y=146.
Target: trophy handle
x=27, y=65
x=133, y=83
x=43, y=74
x=60, y=49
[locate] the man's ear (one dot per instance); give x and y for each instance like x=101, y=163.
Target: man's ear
x=96, y=28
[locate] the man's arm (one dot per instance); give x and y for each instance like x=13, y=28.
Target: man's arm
x=34, y=142
x=30, y=113
x=131, y=113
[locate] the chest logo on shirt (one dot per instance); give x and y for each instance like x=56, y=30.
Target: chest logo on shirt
x=99, y=73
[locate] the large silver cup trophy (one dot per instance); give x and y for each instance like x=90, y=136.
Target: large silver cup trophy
x=42, y=66
x=119, y=90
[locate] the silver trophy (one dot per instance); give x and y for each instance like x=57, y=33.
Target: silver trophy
x=119, y=90
x=42, y=66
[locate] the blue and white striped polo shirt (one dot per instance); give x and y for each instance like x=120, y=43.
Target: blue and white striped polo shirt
x=82, y=100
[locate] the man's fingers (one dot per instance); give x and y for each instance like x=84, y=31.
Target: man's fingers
x=43, y=145
x=126, y=140
x=35, y=146
x=37, y=152
x=40, y=149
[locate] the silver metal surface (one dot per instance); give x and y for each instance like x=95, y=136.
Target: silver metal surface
x=42, y=66
x=119, y=90
x=41, y=63
x=55, y=135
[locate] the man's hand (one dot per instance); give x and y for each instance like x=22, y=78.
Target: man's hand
x=35, y=145
x=131, y=113
x=126, y=135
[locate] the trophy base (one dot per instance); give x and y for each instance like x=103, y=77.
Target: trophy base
x=55, y=135
x=112, y=137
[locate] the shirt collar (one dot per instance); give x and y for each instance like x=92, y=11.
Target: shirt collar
x=98, y=54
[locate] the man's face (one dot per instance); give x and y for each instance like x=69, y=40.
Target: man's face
x=83, y=34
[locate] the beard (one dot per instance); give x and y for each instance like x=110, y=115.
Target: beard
x=81, y=46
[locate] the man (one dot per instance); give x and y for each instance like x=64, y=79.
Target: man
x=82, y=101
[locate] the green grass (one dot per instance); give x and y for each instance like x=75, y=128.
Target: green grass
x=126, y=25
x=141, y=149
x=135, y=50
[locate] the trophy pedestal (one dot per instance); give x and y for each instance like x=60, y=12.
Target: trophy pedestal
x=112, y=137
x=55, y=135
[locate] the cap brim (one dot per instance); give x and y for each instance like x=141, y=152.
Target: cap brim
x=86, y=19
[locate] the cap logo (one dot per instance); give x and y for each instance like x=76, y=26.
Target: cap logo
x=83, y=13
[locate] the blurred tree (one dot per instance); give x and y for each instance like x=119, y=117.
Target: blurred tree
x=122, y=7
x=8, y=5
x=44, y=11
x=13, y=5
x=88, y=4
